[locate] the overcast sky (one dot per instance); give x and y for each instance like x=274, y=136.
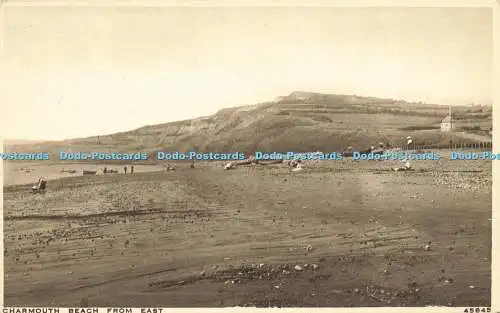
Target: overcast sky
x=83, y=71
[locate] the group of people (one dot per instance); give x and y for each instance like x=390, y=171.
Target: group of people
x=105, y=170
x=131, y=169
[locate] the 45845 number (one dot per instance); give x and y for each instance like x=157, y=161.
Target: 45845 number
x=477, y=310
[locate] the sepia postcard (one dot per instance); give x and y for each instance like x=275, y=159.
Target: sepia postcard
x=271, y=154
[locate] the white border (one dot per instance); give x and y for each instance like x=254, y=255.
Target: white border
x=257, y=3
x=495, y=300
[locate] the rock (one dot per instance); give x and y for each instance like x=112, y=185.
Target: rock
x=314, y=266
x=298, y=268
x=472, y=287
x=84, y=302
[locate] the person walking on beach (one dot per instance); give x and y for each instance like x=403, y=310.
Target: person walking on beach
x=125, y=169
x=132, y=169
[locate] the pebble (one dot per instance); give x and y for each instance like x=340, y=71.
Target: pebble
x=84, y=302
x=298, y=268
x=314, y=266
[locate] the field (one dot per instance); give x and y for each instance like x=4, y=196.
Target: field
x=336, y=234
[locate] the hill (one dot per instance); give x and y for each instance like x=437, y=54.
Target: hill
x=301, y=121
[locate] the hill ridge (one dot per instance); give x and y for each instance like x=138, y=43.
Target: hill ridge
x=300, y=121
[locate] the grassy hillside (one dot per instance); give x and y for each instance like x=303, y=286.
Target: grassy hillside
x=301, y=121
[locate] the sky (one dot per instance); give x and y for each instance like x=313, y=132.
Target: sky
x=82, y=71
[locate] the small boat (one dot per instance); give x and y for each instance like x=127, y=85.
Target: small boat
x=378, y=151
x=68, y=171
x=85, y=172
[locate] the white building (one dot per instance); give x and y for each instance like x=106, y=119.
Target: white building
x=447, y=124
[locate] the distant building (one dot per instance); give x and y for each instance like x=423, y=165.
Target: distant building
x=447, y=124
